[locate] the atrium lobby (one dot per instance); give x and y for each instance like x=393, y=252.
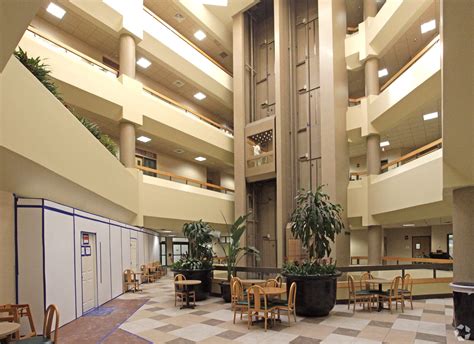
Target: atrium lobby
x=251, y=171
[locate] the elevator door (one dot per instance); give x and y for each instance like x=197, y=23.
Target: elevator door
x=89, y=271
x=266, y=223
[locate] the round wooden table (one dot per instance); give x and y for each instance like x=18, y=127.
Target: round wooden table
x=253, y=281
x=272, y=290
x=6, y=329
x=380, y=282
x=188, y=284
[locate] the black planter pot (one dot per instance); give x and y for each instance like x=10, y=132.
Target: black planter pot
x=205, y=276
x=463, y=298
x=225, y=291
x=315, y=295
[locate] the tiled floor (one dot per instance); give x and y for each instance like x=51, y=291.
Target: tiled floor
x=159, y=321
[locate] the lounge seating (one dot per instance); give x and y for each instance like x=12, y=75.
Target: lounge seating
x=287, y=305
x=131, y=281
x=407, y=289
x=258, y=306
x=180, y=293
x=50, y=335
x=238, y=297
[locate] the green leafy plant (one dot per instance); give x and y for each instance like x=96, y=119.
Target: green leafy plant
x=233, y=251
x=40, y=70
x=316, y=221
x=200, y=235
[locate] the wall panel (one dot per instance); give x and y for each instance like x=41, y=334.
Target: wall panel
x=116, y=268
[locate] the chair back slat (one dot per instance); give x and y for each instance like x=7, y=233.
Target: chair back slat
x=271, y=283
x=350, y=284
x=364, y=280
x=237, y=290
x=407, y=283
x=51, y=315
x=255, y=295
x=292, y=296
x=179, y=278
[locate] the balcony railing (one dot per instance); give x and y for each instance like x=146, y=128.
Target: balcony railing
x=56, y=45
x=356, y=101
x=188, y=110
x=417, y=153
x=186, y=180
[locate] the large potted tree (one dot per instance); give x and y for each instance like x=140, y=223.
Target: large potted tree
x=197, y=263
x=316, y=222
x=234, y=252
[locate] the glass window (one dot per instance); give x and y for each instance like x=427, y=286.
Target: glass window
x=163, y=253
x=450, y=244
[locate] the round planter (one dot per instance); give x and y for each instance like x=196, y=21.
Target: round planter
x=463, y=298
x=205, y=276
x=315, y=295
x=225, y=291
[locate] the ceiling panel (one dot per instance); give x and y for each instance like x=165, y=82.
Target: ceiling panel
x=187, y=26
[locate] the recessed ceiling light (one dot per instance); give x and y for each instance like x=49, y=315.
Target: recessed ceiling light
x=143, y=62
x=384, y=143
x=179, y=151
x=428, y=26
x=165, y=231
x=200, y=158
x=143, y=139
x=383, y=72
x=409, y=225
x=55, y=10
x=429, y=116
x=199, y=96
x=200, y=35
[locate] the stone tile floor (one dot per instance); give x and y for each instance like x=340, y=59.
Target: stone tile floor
x=159, y=321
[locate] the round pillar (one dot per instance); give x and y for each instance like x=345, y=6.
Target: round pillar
x=463, y=234
x=375, y=244
x=127, y=144
x=370, y=8
x=371, y=71
x=127, y=56
x=373, y=154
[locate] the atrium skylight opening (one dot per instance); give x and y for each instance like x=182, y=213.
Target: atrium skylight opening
x=55, y=10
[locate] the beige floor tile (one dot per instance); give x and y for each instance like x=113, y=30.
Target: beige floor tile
x=216, y=340
x=316, y=331
x=374, y=333
x=141, y=314
x=185, y=320
x=399, y=336
x=156, y=336
x=436, y=318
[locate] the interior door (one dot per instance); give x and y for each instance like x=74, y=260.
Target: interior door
x=89, y=271
x=421, y=246
x=133, y=254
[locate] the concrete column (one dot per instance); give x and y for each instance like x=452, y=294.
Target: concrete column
x=333, y=106
x=375, y=244
x=127, y=144
x=169, y=251
x=373, y=154
x=463, y=234
x=127, y=55
x=371, y=72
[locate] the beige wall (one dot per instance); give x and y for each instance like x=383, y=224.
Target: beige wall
x=359, y=243
x=227, y=180
x=439, y=237
x=397, y=246
x=7, y=248
x=389, y=155
x=180, y=167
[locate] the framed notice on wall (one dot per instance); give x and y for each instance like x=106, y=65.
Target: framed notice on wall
x=83, y=251
x=88, y=250
x=85, y=238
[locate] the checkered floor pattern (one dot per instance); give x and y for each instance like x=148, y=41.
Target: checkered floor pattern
x=159, y=321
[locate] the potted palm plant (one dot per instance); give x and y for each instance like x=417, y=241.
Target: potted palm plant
x=316, y=222
x=197, y=263
x=234, y=252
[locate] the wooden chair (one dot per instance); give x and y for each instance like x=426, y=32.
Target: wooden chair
x=50, y=335
x=238, y=297
x=179, y=291
x=366, y=285
x=407, y=289
x=258, y=306
x=356, y=296
x=288, y=305
x=130, y=281
x=271, y=283
x=393, y=294
x=279, y=279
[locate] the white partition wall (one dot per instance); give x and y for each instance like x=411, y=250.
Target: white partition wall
x=59, y=266
x=49, y=252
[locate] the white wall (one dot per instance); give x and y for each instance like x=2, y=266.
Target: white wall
x=7, y=248
x=397, y=245
x=359, y=243
x=439, y=237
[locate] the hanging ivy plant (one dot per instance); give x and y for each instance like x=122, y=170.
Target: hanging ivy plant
x=41, y=71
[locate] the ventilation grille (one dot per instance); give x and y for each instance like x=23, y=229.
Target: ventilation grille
x=178, y=83
x=179, y=17
x=223, y=55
